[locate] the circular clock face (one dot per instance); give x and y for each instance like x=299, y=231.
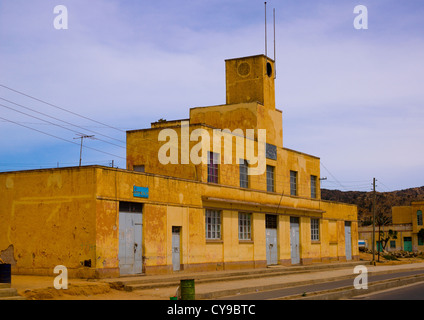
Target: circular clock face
x=243, y=69
x=268, y=69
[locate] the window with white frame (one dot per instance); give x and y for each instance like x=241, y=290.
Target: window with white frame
x=293, y=183
x=313, y=187
x=270, y=178
x=213, y=160
x=315, y=229
x=213, y=224
x=244, y=178
x=245, y=226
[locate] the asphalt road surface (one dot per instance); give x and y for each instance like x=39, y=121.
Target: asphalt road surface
x=411, y=292
x=274, y=294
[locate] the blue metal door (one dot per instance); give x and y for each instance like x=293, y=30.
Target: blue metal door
x=271, y=246
x=348, y=241
x=176, y=255
x=130, y=235
x=294, y=240
x=271, y=225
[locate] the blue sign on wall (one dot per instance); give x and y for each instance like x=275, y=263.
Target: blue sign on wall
x=141, y=192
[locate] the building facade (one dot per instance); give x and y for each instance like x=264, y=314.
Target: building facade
x=216, y=191
x=407, y=221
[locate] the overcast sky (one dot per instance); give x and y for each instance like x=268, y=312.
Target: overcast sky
x=354, y=98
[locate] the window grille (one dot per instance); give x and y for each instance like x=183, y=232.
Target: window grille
x=213, y=224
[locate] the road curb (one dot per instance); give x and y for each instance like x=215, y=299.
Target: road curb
x=349, y=292
x=171, y=281
x=275, y=286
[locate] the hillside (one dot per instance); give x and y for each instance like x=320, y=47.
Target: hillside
x=384, y=200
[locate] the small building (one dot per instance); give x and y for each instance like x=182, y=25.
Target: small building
x=194, y=197
x=407, y=221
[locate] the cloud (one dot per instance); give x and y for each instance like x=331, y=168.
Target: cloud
x=352, y=98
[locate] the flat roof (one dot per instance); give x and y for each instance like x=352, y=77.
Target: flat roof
x=252, y=56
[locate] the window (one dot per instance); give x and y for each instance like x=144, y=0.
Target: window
x=392, y=244
x=293, y=183
x=420, y=240
x=419, y=217
x=245, y=229
x=244, y=178
x=270, y=178
x=213, y=224
x=271, y=221
x=213, y=167
x=139, y=168
x=133, y=207
x=315, y=229
x=313, y=187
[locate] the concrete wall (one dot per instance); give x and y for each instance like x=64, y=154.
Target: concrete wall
x=404, y=221
x=71, y=216
x=49, y=218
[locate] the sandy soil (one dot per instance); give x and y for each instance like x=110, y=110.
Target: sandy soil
x=42, y=287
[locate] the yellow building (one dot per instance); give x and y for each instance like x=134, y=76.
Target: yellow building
x=407, y=221
x=194, y=197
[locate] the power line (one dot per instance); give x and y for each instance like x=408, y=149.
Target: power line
x=55, y=124
x=385, y=186
x=60, y=108
x=46, y=115
x=54, y=136
x=332, y=176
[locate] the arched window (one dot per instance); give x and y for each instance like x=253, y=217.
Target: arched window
x=419, y=217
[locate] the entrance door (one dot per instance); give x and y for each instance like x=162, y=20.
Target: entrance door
x=176, y=248
x=271, y=239
x=294, y=240
x=348, y=241
x=130, y=235
x=407, y=244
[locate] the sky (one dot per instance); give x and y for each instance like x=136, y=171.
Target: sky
x=352, y=97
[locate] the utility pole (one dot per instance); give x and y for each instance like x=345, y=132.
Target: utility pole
x=82, y=137
x=373, y=224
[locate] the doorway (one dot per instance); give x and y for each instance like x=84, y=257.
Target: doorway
x=348, y=240
x=271, y=222
x=407, y=244
x=130, y=238
x=176, y=248
x=294, y=240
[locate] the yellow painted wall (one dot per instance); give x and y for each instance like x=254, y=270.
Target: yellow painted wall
x=287, y=160
x=404, y=221
x=49, y=217
x=415, y=207
x=247, y=80
x=402, y=214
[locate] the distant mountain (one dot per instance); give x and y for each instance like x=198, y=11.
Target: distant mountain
x=384, y=200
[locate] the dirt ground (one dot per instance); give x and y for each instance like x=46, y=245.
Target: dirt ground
x=383, y=261
x=98, y=290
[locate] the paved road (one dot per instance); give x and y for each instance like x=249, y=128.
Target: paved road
x=273, y=294
x=410, y=292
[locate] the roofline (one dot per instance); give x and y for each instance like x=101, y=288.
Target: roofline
x=303, y=153
x=252, y=56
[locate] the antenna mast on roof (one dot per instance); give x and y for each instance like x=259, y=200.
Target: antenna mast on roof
x=275, y=59
x=266, y=45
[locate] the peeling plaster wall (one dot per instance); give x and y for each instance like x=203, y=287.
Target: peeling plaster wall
x=49, y=218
